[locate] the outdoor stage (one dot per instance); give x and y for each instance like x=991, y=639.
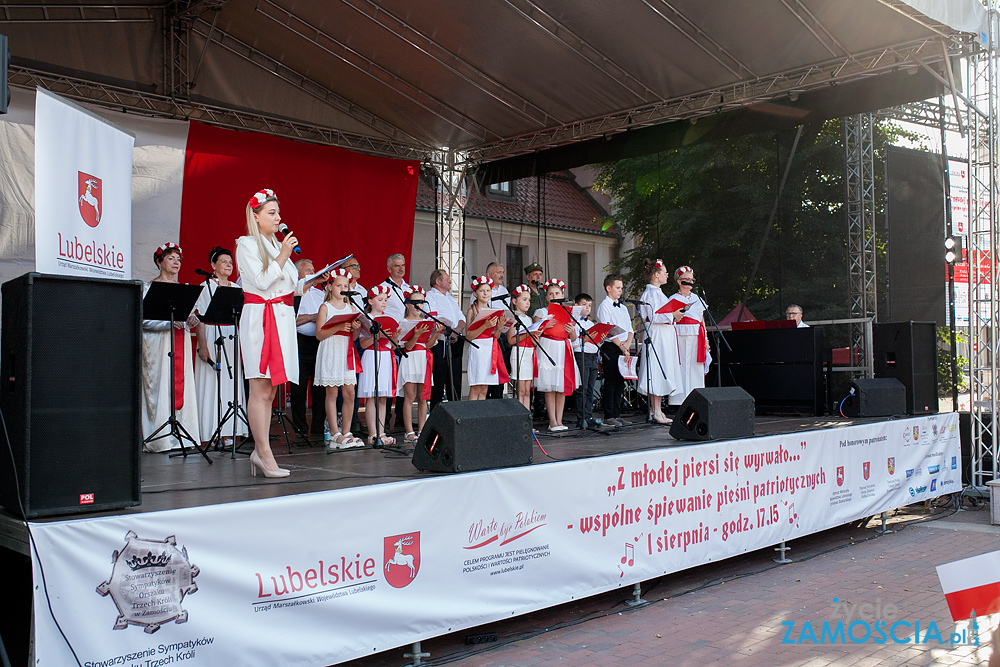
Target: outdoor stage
x=358, y=552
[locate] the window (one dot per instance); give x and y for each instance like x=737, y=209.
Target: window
x=574, y=274
x=514, y=271
x=503, y=191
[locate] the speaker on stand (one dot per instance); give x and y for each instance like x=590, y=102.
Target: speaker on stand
x=70, y=392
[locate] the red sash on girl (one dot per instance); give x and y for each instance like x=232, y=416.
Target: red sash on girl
x=385, y=346
x=353, y=361
x=569, y=365
x=425, y=393
x=180, y=340
x=496, y=357
x=702, y=336
x=270, y=352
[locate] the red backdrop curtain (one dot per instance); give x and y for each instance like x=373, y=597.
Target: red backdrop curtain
x=335, y=201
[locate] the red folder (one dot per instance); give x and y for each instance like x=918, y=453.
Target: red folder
x=671, y=306
x=423, y=338
x=340, y=319
x=599, y=332
x=388, y=324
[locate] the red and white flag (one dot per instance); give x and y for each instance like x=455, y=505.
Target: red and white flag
x=972, y=584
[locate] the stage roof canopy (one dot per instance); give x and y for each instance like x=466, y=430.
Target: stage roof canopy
x=493, y=79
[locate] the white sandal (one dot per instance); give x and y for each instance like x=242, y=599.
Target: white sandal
x=350, y=442
x=410, y=437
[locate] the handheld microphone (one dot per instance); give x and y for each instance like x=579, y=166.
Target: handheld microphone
x=634, y=302
x=203, y=272
x=283, y=228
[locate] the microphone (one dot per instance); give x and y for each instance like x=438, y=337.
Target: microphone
x=557, y=300
x=536, y=283
x=413, y=302
x=283, y=228
x=688, y=283
x=203, y=272
x=634, y=302
x=350, y=293
x=500, y=298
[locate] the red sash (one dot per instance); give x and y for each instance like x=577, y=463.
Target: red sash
x=180, y=340
x=569, y=365
x=353, y=361
x=270, y=352
x=496, y=357
x=425, y=393
x=702, y=336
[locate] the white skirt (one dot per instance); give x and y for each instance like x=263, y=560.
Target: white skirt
x=386, y=374
x=552, y=377
x=478, y=362
x=331, y=363
x=413, y=368
x=664, y=343
x=525, y=356
x=690, y=373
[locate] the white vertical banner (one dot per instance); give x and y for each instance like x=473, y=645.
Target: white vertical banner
x=83, y=192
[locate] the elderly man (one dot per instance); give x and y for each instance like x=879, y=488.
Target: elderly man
x=794, y=312
x=533, y=276
x=500, y=295
x=396, y=264
x=305, y=328
x=441, y=305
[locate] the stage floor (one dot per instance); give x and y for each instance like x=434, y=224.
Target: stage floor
x=177, y=482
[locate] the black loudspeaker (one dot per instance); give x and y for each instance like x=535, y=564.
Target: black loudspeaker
x=70, y=391
x=907, y=351
x=460, y=436
x=876, y=397
x=714, y=413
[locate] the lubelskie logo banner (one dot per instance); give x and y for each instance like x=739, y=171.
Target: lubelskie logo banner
x=401, y=555
x=89, y=193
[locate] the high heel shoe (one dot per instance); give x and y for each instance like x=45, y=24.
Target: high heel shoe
x=256, y=463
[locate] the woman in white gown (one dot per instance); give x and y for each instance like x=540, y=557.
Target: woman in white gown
x=217, y=362
x=156, y=337
x=658, y=363
x=693, y=356
x=267, y=325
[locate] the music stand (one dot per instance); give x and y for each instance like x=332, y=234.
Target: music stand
x=224, y=310
x=163, y=303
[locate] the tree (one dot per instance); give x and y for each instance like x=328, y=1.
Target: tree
x=707, y=206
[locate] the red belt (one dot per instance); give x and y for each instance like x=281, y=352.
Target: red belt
x=569, y=374
x=702, y=336
x=180, y=340
x=425, y=393
x=496, y=359
x=353, y=362
x=270, y=352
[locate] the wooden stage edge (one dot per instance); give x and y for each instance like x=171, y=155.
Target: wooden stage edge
x=182, y=482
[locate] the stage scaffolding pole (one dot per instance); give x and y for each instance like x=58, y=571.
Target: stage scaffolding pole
x=859, y=148
x=450, y=166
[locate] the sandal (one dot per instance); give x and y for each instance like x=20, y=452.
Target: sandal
x=350, y=442
x=388, y=441
x=410, y=437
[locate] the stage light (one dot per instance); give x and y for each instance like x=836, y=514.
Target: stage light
x=954, y=247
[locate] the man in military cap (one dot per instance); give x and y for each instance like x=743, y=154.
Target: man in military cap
x=533, y=275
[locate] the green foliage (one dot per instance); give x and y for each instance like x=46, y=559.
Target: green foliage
x=707, y=205
x=944, y=358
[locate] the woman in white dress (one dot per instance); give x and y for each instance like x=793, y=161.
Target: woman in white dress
x=558, y=376
x=267, y=325
x=484, y=365
x=658, y=363
x=416, y=368
x=156, y=337
x=693, y=356
x=217, y=358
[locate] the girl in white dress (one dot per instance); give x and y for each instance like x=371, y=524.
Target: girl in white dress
x=484, y=364
x=415, y=369
x=693, y=356
x=156, y=361
x=215, y=387
x=337, y=360
x=267, y=325
x=558, y=375
x=372, y=344
x=658, y=363
x=522, y=361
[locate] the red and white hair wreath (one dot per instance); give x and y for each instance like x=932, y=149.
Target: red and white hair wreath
x=519, y=290
x=339, y=273
x=681, y=270
x=261, y=197
x=554, y=282
x=160, y=250
x=481, y=280
x=378, y=289
x=414, y=289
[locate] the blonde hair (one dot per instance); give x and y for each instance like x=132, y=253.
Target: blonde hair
x=254, y=231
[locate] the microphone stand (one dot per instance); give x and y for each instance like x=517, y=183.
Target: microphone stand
x=648, y=344
x=375, y=328
x=518, y=323
x=586, y=332
x=718, y=332
x=448, y=331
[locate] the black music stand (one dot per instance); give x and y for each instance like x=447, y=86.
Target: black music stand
x=224, y=310
x=163, y=303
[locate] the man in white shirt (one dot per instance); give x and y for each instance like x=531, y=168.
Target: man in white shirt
x=396, y=264
x=794, y=312
x=305, y=332
x=441, y=305
x=612, y=311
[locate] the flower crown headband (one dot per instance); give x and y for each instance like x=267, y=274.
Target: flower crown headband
x=160, y=250
x=339, y=273
x=261, y=197
x=482, y=280
x=681, y=270
x=519, y=290
x=378, y=289
x=554, y=282
x=414, y=289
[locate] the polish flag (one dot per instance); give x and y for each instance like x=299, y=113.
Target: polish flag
x=972, y=584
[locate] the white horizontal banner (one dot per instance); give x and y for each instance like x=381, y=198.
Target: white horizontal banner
x=324, y=577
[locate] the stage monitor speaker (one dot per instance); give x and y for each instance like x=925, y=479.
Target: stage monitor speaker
x=714, y=413
x=875, y=397
x=907, y=351
x=71, y=394
x=461, y=436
